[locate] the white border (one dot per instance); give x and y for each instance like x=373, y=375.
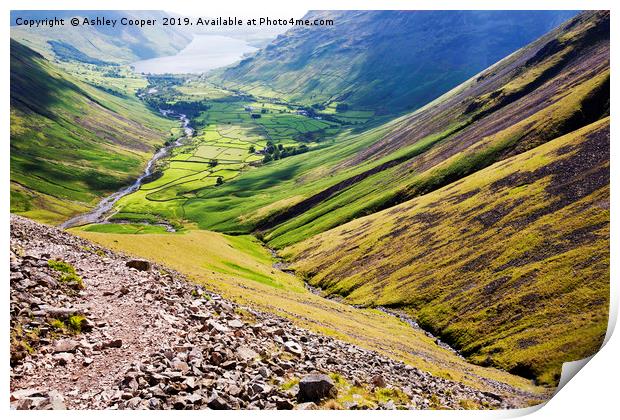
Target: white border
x=594, y=391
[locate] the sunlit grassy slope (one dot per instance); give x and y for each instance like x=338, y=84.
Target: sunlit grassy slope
x=241, y=269
x=510, y=264
x=72, y=143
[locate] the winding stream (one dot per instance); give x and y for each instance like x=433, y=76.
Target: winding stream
x=282, y=266
x=102, y=211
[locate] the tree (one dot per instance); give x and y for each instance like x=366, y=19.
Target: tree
x=219, y=180
x=252, y=149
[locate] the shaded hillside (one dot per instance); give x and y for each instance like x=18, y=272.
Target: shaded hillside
x=71, y=143
x=510, y=264
x=99, y=44
x=386, y=61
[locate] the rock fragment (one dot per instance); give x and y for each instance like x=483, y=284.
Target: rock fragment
x=316, y=387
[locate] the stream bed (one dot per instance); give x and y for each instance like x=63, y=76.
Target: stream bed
x=104, y=208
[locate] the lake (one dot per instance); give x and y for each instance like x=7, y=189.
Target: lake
x=205, y=52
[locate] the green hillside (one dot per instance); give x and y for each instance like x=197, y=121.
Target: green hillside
x=385, y=61
x=501, y=243
x=72, y=143
x=483, y=215
x=510, y=265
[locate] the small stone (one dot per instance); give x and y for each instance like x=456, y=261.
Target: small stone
x=56, y=400
x=293, y=347
x=178, y=403
x=218, y=327
x=215, y=402
x=229, y=365
x=63, y=358
x=245, y=353
x=235, y=323
x=65, y=345
x=389, y=405
x=23, y=393
x=378, y=381
x=117, y=344
x=315, y=387
x=86, y=325
x=180, y=366
x=194, y=398
x=140, y=265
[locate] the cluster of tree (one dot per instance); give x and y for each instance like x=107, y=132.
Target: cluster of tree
x=310, y=112
x=278, y=151
x=191, y=109
x=109, y=90
x=164, y=80
x=114, y=72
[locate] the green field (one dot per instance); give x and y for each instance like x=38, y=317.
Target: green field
x=220, y=150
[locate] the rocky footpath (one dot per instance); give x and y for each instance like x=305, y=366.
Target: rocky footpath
x=94, y=329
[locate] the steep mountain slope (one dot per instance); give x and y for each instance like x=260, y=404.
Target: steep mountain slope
x=549, y=88
x=386, y=61
x=508, y=262
x=510, y=265
x=71, y=143
x=99, y=44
